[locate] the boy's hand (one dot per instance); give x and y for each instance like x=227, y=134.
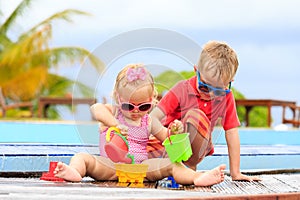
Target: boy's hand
x=176, y=127
x=242, y=177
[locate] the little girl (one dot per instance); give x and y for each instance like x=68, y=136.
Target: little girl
x=134, y=94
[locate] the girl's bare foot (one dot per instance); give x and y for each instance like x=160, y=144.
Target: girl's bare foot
x=211, y=177
x=66, y=172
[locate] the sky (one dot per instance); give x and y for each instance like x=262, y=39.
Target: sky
x=169, y=35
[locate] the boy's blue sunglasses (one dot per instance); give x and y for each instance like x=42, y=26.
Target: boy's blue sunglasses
x=203, y=87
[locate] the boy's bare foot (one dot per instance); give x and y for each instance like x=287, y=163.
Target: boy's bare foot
x=66, y=172
x=211, y=177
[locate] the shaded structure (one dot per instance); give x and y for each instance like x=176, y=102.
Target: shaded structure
x=269, y=103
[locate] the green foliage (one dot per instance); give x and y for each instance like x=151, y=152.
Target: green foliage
x=241, y=111
x=257, y=115
x=26, y=63
x=167, y=79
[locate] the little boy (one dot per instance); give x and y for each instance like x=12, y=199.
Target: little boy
x=204, y=100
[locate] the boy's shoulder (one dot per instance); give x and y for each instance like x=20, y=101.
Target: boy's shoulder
x=187, y=82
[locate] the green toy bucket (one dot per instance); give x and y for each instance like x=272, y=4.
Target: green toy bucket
x=178, y=147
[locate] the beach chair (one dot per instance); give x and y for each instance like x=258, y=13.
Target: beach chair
x=4, y=106
x=295, y=120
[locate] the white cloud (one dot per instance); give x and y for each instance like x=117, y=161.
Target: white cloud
x=120, y=14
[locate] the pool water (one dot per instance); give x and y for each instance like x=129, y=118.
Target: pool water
x=30, y=146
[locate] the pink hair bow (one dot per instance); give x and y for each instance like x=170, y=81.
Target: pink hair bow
x=136, y=73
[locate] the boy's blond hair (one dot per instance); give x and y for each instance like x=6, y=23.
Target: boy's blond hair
x=221, y=58
x=125, y=86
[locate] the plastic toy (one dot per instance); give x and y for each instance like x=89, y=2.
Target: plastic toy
x=131, y=173
x=173, y=182
x=117, y=147
x=178, y=146
x=49, y=176
x=168, y=183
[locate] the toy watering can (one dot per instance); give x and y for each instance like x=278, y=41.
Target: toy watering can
x=116, y=146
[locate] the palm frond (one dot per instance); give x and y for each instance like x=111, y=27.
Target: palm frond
x=18, y=56
x=83, y=89
x=71, y=55
x=26, y=86
x=4, y=42
x=57, y=85
x=64, y=15
x=10, y=21
x=60, y=86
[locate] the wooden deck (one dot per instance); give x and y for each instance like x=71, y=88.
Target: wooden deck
x=272, y=186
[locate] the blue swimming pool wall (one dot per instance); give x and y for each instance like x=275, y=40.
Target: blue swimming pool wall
x=48, y=132
x=30, y=146
x=87, y=133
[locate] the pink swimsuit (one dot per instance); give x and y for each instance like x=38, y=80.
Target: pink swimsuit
x=138, y=137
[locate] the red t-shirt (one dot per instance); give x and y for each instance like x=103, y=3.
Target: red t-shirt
x=185, y=96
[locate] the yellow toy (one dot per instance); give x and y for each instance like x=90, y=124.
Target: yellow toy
x=131, y=173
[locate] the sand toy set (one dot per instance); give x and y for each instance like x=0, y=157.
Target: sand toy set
x=117, y=148
x=177, y=146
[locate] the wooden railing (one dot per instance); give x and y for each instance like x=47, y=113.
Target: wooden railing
x=269, y=103
x=45, y=102
x=14, y=105
x=295, y=120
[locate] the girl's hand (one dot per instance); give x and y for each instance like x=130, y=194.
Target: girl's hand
x=123, y=130
x=176, y=127
x=102, y=127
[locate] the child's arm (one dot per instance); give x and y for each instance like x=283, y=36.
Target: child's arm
x=161, y=132
x=104, y=114
x=233, y=144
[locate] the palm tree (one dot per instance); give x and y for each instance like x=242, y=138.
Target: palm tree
x=25, y=63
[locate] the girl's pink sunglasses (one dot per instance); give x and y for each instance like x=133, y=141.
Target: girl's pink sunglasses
x=141, y=107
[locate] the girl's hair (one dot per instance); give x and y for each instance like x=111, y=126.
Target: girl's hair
x=221, y=58
x=132, y=77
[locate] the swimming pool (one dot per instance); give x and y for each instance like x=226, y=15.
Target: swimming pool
x=30, y=146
